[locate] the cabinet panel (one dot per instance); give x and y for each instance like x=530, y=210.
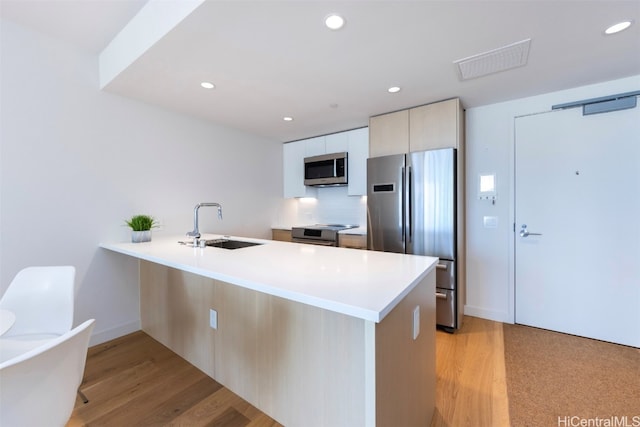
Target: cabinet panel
x=434, y=126
x=280, y=235
x=293, y=155
x=269, y=350
x=389, y=134
x=358, y=148
x=337, y=142
x=355, y=241
x=314, y=146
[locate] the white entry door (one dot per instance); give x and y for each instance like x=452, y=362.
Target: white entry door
x=577, y=190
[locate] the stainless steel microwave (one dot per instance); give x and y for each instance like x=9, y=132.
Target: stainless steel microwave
x=326, y=170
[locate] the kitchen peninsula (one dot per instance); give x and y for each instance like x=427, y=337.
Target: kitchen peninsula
x=310, y=335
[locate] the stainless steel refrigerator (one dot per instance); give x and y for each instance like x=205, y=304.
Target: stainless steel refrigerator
x=411, y=208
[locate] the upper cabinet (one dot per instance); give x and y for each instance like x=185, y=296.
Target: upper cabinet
x=427, y=127
x=358, y=148
x=293, y=154
x=354, y=142
x=436, y=125
x=337, y=142
x=389, y=134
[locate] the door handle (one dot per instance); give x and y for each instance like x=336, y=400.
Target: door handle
x=409, y=205
x=526, y=233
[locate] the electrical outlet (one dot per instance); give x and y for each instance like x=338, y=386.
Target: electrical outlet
x=416, y=322
x=213, y=319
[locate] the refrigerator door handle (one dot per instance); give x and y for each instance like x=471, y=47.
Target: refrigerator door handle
x=403, y=203
x=409, y=197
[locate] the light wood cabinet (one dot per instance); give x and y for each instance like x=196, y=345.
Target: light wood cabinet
x=298, y=363
x=355, y=241
x=428, y=127
x=280, y=234
x=435, y=126
x=389, y=134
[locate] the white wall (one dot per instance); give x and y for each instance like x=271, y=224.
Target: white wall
x=490, y=144
x=75, y=162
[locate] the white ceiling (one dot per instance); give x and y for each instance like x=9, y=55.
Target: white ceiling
x=271, y=59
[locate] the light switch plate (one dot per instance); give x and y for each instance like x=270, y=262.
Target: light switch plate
x=490, y=221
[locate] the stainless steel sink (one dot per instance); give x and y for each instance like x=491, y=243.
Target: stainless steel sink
x=230, y=244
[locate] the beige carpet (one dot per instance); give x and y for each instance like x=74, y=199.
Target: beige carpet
x=555, y=379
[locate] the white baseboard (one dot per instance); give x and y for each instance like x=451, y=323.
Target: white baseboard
x=113, y=333
x=497, y=316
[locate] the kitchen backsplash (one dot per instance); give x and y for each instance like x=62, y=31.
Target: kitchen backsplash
x=332, y=206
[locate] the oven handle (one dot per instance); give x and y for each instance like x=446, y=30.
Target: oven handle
x=314, y=242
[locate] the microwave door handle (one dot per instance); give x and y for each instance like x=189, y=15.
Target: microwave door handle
x=335, y=168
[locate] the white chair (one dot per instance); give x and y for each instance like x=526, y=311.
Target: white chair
x=38, y=388
x=42, y=299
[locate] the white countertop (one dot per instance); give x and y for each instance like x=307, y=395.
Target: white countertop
x=358, y=283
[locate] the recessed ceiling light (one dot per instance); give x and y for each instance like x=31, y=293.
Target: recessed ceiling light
x=393, y=89
x=287, y=119
x=207, y=85
x=616, y=28
x=334, y=22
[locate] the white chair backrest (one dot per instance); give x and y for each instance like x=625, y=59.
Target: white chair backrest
x=38, y=388
x=42, y=299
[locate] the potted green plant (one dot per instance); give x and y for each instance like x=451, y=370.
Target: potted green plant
x=141, y=226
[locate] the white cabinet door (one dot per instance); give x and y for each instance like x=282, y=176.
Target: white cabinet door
x=314, y=146
x=358, y=148
x=293, y=155
x=577, y=184
x=337, y=142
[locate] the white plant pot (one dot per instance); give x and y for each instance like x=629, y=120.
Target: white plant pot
x=141, y=236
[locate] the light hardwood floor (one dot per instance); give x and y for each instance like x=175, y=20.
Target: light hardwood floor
x=134, y=380
x=471, y=387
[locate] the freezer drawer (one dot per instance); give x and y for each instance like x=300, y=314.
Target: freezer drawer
x=445, y=308
x=446, y=274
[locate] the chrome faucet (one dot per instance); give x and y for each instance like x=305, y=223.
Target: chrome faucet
x=196, y=232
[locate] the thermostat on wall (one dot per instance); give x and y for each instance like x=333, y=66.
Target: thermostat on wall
x=487, y=187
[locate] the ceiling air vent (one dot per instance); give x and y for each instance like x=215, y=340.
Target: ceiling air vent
x=496, y=60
